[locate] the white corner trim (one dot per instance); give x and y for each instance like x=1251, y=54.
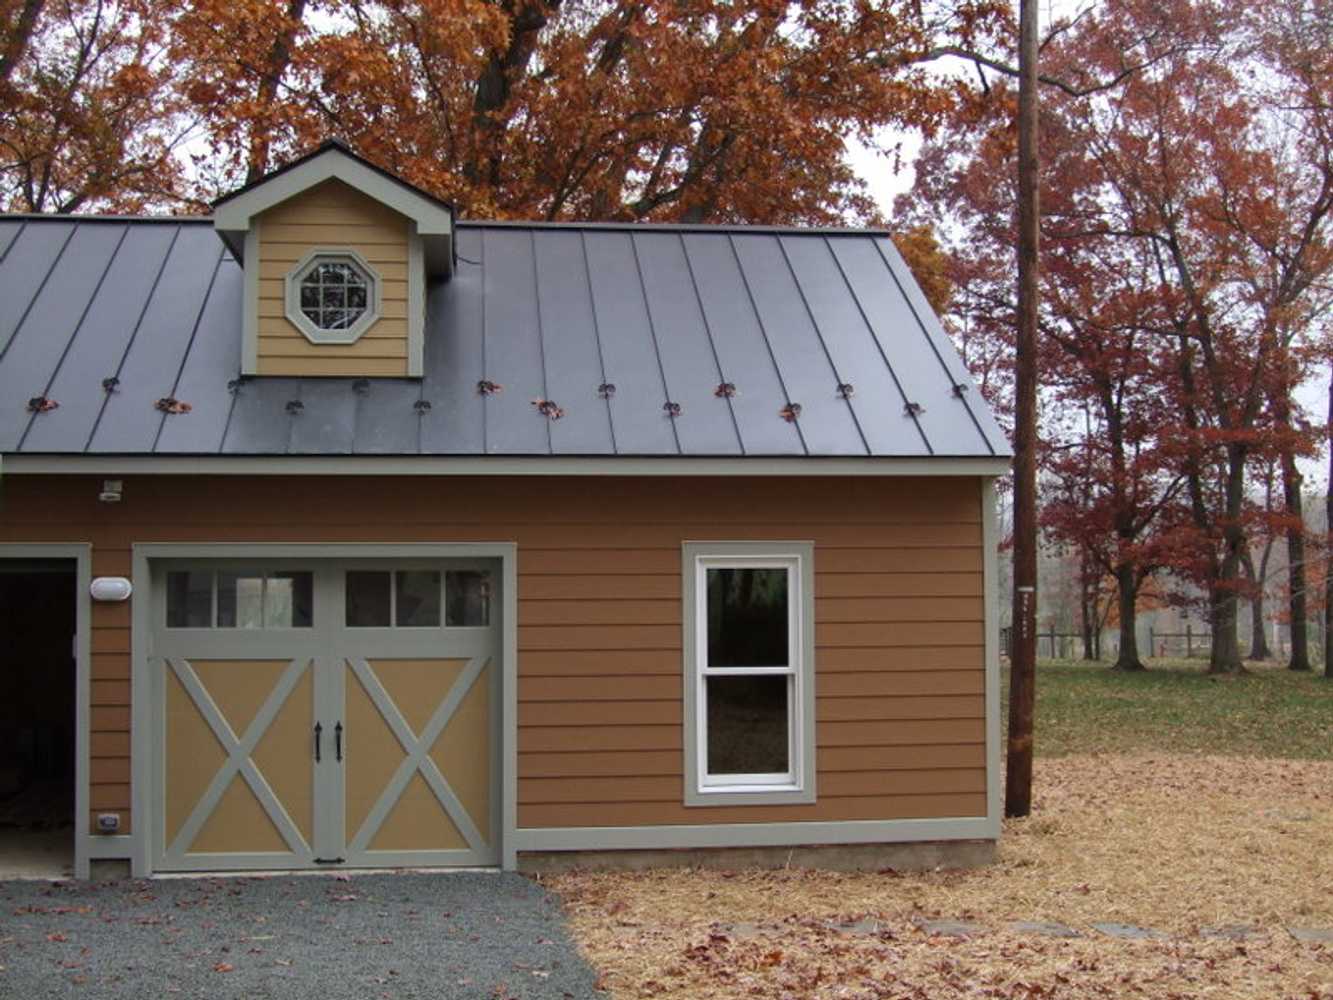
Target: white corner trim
x=235, y=215
x=496, y=465
x=631, y=838
x=292, y=296
x=250, y=317
x=990, y=541
x=416, y=305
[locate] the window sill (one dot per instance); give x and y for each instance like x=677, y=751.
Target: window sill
x=750, y=795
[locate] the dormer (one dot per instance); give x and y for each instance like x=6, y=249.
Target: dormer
x=337, y=254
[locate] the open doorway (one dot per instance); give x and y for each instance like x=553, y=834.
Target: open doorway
x=38, y=696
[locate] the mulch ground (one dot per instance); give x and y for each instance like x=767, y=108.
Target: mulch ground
x=1178, y=844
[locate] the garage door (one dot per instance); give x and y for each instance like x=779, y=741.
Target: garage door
x=325, y=714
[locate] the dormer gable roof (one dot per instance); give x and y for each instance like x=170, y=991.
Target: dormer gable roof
x=233, y=213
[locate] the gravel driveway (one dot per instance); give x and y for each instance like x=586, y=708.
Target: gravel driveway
x=456, y=935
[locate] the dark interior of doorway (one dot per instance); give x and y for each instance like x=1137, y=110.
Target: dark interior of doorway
x=38, y=684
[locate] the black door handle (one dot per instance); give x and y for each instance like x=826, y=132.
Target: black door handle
x=338, y=740
x=319, y=732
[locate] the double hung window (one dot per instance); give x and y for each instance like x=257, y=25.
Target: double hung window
x=750, y=682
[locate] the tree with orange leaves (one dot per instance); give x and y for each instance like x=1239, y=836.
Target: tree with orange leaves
x=88, y=111
x=694, y=110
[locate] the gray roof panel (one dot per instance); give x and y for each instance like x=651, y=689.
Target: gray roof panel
x=826, y=421
x=686, y=351
x=571, y=350
x=381, y=426
x=262, y=413
x=27, y=267
x=944, y=417
x=943, y=348
x=210, y=368
x=130, y=420
x=455, y=423
x=742, y=352
x=664, y=314
x=50, y=325
x=876, y=398
x=641, y=423
x=324, y=425
x=513, y=347
x=9, y=231
x=94, y=352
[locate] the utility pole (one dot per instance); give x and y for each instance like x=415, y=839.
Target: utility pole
x=1328, y=528
x=1023, y=658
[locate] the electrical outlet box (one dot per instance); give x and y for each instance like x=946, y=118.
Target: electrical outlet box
x=108, y=822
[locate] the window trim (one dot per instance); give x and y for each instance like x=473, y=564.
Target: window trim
x=798, y=785
x=292, y=297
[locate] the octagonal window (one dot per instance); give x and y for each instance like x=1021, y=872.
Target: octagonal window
x=333, y=296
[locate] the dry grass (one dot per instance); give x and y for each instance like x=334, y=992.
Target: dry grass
x=1177, y=843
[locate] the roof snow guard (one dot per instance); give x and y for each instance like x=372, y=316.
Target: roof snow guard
x=122, y=337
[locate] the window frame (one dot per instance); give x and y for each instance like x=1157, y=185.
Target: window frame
x=797, y=785
x=292, y=295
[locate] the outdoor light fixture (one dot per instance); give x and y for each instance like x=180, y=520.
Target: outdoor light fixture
x=111, y=491
x=111, y=588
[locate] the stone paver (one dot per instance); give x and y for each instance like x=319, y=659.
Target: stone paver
x=1046, y=928
x=951, y=928
x=1128, y=932
x=1318, y=935
x=1230, y=932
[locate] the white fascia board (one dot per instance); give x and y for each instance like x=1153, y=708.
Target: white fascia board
x=432, y=219
x=430, y=465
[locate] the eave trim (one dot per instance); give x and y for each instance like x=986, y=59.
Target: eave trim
x=431, y=465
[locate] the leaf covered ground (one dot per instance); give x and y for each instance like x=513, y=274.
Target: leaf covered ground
x=1190, y=824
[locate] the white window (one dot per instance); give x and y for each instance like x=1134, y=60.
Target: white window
x=749, y=664
x=333, y=296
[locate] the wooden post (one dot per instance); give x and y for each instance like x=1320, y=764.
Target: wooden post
x=1189, y=641
x=1023, y=668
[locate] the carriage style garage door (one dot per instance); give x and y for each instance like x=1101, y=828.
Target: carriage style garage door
x=321, y=714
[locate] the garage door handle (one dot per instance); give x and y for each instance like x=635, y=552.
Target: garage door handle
x=338, y=740
x=319, y=732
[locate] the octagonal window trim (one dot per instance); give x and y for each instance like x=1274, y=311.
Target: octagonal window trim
x=336, y=255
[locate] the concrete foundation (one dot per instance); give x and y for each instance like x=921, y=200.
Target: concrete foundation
x=829, y=857
x=112, y=870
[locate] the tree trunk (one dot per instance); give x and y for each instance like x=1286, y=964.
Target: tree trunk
x=277, y=64
x=1258, y=631
x=1291, y=489
x=1223, y=605
x=1023, y=666
x=1087, y=607
x=1127, y=593
x=20, y=34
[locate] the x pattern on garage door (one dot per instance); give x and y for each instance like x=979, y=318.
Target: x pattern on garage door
x=324, y=714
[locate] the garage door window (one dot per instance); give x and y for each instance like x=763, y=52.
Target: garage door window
x=416, y=598
x=244, y=599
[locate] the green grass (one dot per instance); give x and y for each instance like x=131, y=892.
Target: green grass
x=1175, y=707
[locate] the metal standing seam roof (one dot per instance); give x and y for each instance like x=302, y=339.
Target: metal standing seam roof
x=643, y=340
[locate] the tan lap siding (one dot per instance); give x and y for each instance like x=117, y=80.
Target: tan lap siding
x=898, y=592
x=332, y=215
